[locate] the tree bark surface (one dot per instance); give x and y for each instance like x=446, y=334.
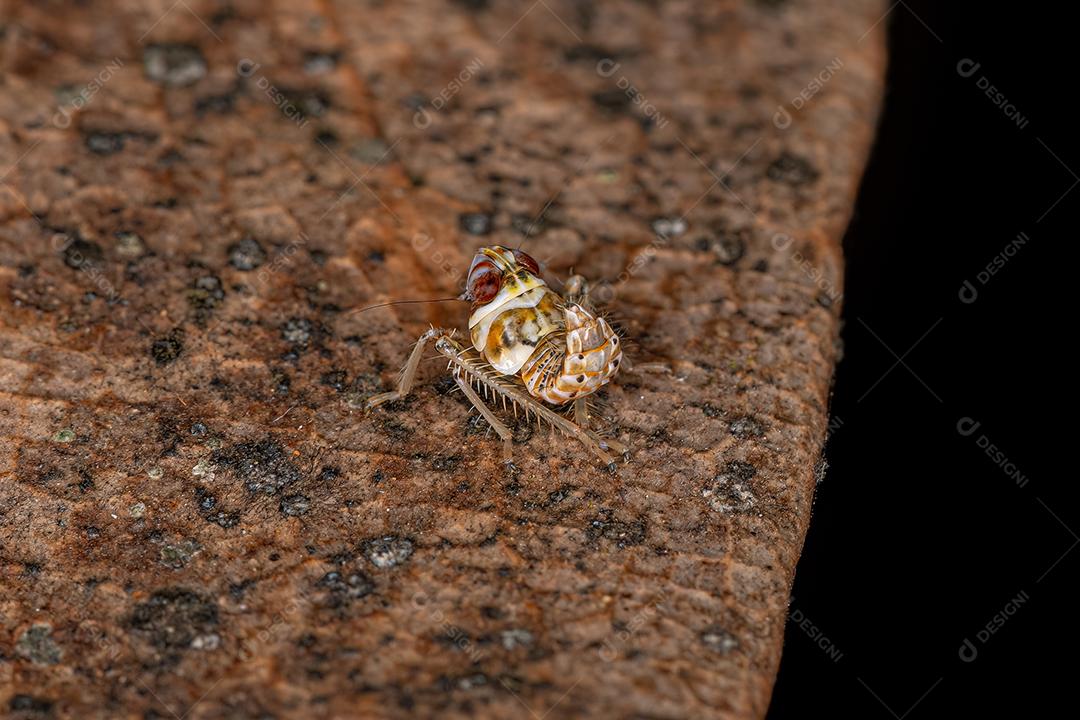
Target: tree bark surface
x=198, y=520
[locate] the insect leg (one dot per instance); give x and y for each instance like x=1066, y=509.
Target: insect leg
x=482, y=373
x=496, y=424
x=630, y=366
x=408, y=373
x=581, y=417
x=576, y=290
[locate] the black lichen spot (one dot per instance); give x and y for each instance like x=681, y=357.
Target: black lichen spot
x=224, y=519
x=445, y=385
x=388, y=551
x=718, y=639
x=263, y=466
x=395, y=430
x=336, y=379
x=771, y=4
x=557, y=496
x=173, y=64
x=295, y=505
x=748, y=91
x=824, y=300
x=528, y=225
x=326, y=138
x=329, y=473
x=177, y=555
x=297, y=331
x=523, y=430
x=473, y=5
x=206, y=293
x=247, y=254
x=103, y=143
x=280, y=381
x=37, y=646
x=445, y=463
x=476, y=425
x=729, y=491
x=342, y=588
x=475, y=223
x=621, y=533
x=166, y=349
x=589, y=53
x=727, y=245
x=372, y=151
x=29, y=705
x=238, y=590
x=171, y=157
x=746, y=427
x=613, y=100
x=80, y=254
x=303, y=103
x=316, y=63
x=739, y=470
x=711, y=411
x=219, y=104
x=205, y=500
x=172, y=618
x=792, y=170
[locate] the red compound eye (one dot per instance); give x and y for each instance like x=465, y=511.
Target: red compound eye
x=527, y=261
x=484, y=283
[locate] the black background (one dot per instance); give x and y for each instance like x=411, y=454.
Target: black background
x=918, y=537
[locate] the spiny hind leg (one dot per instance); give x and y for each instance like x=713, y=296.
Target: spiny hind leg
x=581, y=417
x=475, y=371
x=496, y=424
x=408, y=373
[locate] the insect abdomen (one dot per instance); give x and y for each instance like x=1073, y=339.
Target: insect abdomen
x=565, y=368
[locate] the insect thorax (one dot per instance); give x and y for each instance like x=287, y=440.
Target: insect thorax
x=507, y=331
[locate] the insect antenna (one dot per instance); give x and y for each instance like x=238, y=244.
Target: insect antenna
x=401, y=302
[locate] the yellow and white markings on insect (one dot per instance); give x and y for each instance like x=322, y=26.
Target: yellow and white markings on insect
x=530, y=346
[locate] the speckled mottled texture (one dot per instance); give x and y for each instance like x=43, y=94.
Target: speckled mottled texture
x=196, y=518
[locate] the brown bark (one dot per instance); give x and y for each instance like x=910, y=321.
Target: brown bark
x=195, y=515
